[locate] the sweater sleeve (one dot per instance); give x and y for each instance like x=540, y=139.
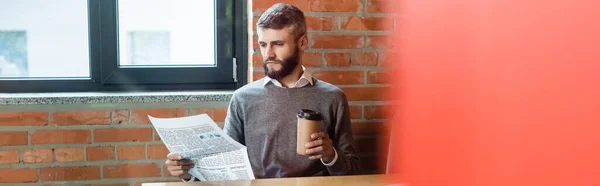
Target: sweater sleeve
x=348, y=162
x=234, y=122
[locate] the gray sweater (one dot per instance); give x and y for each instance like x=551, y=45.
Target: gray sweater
x=263, y=118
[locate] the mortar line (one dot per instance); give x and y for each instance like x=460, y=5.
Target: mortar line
x=39, y=174
x=377, y=58
x=114, y=146
x=50, y=113
x=20, y=156
x=92, y=137
x=111, y=115
x=365, y=74
x=341, y=32
x=154, y=135
x=54, y=156
x=79, y=145
x=338, y=20
x=362, y=114
x=364, y=8
x=322, y=58
x=101, y=172
x=146, y=151
x=85, y=154
x=82, y=163
x=33, y=129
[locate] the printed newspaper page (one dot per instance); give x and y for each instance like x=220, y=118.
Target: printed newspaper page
x=216, y=155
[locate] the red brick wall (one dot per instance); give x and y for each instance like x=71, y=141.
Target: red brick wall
x=348, y=47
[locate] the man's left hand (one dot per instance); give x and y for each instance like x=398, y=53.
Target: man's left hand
x=320, y=147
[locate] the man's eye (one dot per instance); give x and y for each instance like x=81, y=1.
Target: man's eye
x=262, y=44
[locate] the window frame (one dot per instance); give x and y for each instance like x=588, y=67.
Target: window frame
x=230, y=72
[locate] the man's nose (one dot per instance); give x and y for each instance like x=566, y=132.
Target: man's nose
x=269, y=53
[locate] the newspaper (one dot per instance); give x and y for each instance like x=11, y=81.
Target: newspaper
x=216, y=156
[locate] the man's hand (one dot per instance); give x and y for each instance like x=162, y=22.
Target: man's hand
x=320, y=147
x=178, y=167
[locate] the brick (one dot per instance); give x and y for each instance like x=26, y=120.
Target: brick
x=9, y=138
x=68, y=154
x=157, y=151
x=381, y=6
x=18, y=175
x=61, y=137
x=368, y=128
x=23, y=118
x=254, y=21
x=377, y=77
x=257, y=60
x=131, y=152
x=341, y=77
x=217, y=114
x=367, y=23
x=257, y=75
x=37, y=156
x=311, y=59
x=336, y=5
x=337, y=59
x=131, y=171
x=120, y=116
x=365, y=93
x=381, y=42
x=70, y=173
x=123, y=135
x=355, y=111
x=263, y=5
x=255, y=42
x=320, y=23
x=80, y=118
x=9, y=156
x=140, y=116
x=100, y=153
x=364, y=59
x=374, y=112
x=338, y=42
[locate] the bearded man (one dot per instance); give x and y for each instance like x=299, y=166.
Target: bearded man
x=262, y=114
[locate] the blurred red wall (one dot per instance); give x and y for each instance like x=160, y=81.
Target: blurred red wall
x=497, y=92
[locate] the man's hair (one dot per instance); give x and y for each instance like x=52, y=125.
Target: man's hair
x=281, y=16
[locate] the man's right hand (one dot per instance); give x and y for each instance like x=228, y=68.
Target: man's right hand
x=178, y=167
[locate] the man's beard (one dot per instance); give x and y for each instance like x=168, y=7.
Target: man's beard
x=287, y=66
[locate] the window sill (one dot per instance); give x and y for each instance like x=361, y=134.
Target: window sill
x=102, y=97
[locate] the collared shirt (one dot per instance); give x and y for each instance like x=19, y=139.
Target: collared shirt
x=305, y=80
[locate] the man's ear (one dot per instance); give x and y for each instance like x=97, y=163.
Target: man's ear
x=304, y=42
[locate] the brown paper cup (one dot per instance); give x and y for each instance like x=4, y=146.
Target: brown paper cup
x=309, y=122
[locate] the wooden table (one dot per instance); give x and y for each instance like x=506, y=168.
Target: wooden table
x=363, y=180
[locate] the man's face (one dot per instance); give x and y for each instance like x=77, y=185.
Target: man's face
x=280, y=51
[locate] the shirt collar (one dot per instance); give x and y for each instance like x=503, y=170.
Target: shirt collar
x=306, y=77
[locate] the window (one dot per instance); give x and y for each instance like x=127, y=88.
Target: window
x=122, y=45
x=13, y=54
